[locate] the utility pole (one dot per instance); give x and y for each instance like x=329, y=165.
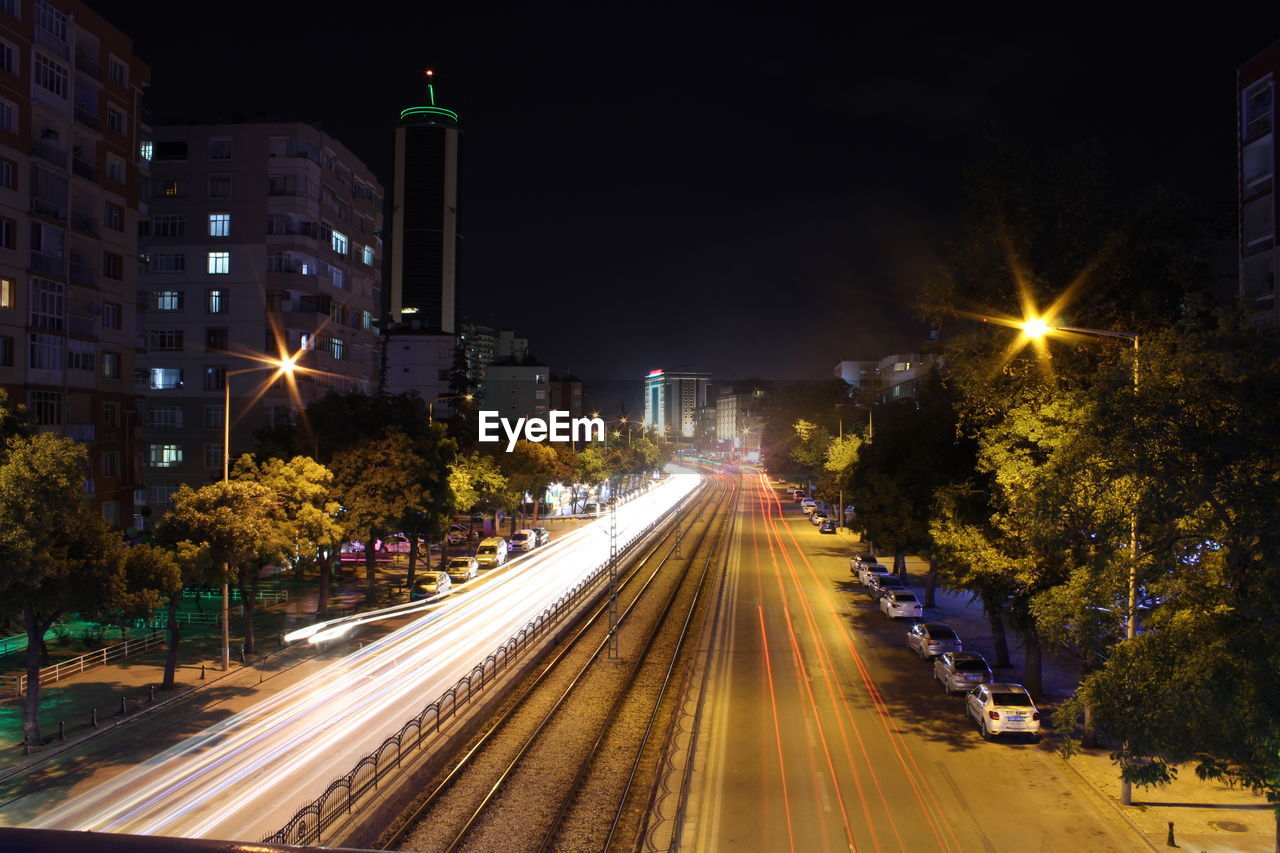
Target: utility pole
x=613, y=575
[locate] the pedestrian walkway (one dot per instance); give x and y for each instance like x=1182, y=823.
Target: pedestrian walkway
x=1205, y=816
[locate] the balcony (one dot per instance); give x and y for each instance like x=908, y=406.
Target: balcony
x=84, y=169
x=81, y=327
x=83, y=222
x=83, y=274
x=50, y=153
x=54, y=209
x=89, y=64
x=46, y=39
x=48, y=264
x=87, y=118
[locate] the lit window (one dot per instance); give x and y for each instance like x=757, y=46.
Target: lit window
x=166, y=300
x=338, y=277
x=306, y=341
x=367, y=256
x=146, y=148
x=215, y=302
x=337, y=348
x=172, y=188
x=340, y=243
x=219, y=224
x=366, y=320
x=219, y=263
x=6, y=293
x=165, y=455
x=162, y=378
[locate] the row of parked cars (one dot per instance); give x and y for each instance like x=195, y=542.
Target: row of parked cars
x=490, y=553
x=997, y=708
x=817, y=517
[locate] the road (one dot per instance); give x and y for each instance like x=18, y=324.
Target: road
x=244, y=777
x=823, y=733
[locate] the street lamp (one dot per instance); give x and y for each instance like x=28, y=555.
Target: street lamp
x=1036, y=328
x=431, y=405
x=283, y=367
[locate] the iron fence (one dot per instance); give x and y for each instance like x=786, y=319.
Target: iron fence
x=97, y=657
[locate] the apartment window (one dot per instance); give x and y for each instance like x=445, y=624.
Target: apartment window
x=51, y=20
x=165, y=455
x=213, y=417
x=80, y=356
x=51, y=75
x=8, y=117
x=111, y=365
x=166, y=300
x=172, y=188
x=117, y=72
x=338, y=277
x=215, y=378
x=113, y=217
x=215, y=340
x=168, y=262
x=146, y=150
x=219, y=224
x=112, y=266
x=47, y=304
x=340, y=243
x=366, y=320
x=6, y=293
x=219, y=186
x=6, y=352
x=219, y=263
x=213, y=456
x=8, y=174
x=168, y=225
x=337, y=348
x=110, y=315
x=111, y=415
x=6, y=233
x=367, y=256
x=109, y=463
x=164, y=340
x=8, y=58
x=338, y=313
x=164, y=378
x=306, y=341
x=46, y=406
x=220, y=148
x=1257, y=109
x=115, y=169
x=215, y=302
x=115, y=120
x=164, y=417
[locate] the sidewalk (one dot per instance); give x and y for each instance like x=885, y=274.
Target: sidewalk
x=1206, y=816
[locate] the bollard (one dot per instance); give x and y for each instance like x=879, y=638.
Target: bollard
x=124, y=708
x=93, y=717
x=62, y=729
x=202, y=672
x=242, y=654
x=1171, y=842
x=151, y=693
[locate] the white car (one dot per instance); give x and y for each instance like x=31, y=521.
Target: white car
x=866, y=574
x=901, y=605
x=1002, y=709
x=525, y=539
x=462, y=569
x=808, y=505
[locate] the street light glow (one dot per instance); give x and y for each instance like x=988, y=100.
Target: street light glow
x=1036, y=327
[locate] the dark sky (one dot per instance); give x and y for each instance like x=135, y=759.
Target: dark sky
x=664, y=186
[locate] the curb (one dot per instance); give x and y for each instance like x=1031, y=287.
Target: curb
x=1119, y=812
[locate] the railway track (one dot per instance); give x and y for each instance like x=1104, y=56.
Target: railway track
x=568, y=761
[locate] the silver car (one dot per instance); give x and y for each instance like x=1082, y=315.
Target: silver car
x=865, y=573
x=901, y=605
x=961, y=671
x=882, y=584
x=1001, y=709
x=930, y=639
x=857, y=561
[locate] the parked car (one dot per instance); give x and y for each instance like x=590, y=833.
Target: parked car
x=930, y=639
x=817, y=517
x=1001, y=709
x=430, y=584
x=543, y=536
x=882, y=585
x=458, y=533
x=827, y=526
x=857, y=561
x=808, y=505
x=492, y=552
x=904, y=605
x=462, y=569
x=798, y=495
x=591, y=508
x=523, y=540
x=960, y=671
x=398, y=543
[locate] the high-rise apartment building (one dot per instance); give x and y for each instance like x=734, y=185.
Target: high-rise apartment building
x=73, y=172
x=1256, y=133
x=672, y=400
x=263, y=243
x=426, y=239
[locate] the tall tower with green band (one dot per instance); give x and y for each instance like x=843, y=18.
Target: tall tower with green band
x=426, y=235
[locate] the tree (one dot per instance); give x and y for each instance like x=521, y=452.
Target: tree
x=57, y=554
x=530, y=467
x=377, y=482
x=428, y=520
x=154, y=576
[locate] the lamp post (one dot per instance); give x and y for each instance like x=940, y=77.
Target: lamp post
x=283, y=367
x=1038, y=328
x=431, y=405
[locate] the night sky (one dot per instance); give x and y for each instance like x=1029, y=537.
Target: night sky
x=658, y=186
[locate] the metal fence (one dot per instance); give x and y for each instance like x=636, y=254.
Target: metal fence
x=273, y=596
x=345, y=793
x=97, y=657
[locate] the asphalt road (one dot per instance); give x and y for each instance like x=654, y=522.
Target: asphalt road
x=822, y=732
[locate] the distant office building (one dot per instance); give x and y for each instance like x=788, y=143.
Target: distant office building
x=900, y=375
x=483, y=345
x=569, y=394
x=426, y=239
x=263, y=242
x=735, y=409
x=516, y=389
x=1256, y=98
x=672, y=400
x=73, y=165
x=860, y=375
x=421, y=363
